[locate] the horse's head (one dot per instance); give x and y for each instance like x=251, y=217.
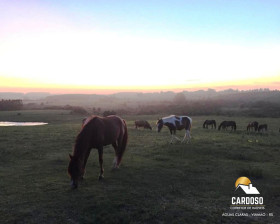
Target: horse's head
x=148, y=126
x=75, y=172
x=159, y=125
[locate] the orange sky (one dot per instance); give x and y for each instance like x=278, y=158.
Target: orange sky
x=272, y=83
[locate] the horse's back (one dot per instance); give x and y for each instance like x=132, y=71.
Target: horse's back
x=173, y=118
x=140, y=123
x=114, y=119
x=114, y=123
x=105, y=130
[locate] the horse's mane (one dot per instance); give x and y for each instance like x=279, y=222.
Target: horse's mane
x=84, y=133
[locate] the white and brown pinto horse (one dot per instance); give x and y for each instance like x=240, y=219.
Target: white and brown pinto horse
x=176, y=123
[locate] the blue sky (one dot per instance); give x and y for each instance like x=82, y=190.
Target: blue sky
x=236, y=21
x=217, y=20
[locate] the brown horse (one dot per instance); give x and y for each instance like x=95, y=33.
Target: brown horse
x=96, y=133
x=142, y=123
x=262, y=127
x=209, y=122
x=226, y=124
x=253, y=125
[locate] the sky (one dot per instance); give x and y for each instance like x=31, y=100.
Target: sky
x=115, y=46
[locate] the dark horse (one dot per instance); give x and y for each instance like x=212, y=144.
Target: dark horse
x=253, y=125
x=142, y=123
x=262, y=127
x=176, y=123
x=226, y=124
x=96, y=133
x=209, y=122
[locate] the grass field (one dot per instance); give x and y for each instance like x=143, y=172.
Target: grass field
x=156, y=183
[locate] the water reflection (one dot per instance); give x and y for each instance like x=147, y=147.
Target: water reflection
x=7, y=123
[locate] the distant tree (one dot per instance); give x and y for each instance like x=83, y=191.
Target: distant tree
x=94, y=111
x=109, y=112
x=179, y=98
x=10, y=105
x=79, y=110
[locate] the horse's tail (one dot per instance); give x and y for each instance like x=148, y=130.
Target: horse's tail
x=219, y=128
x=122, y=145
x=214, y=124
x=189, y=125
x=234, y=126
x=204, y=124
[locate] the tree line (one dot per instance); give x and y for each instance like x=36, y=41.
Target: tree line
x=6, y=105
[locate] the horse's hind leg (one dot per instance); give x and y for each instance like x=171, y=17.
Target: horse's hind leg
x=100, y=153
x=115, y=161
x=187, y=135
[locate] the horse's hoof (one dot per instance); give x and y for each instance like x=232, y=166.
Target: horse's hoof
x=74, y=186
x=101, y=177
x=115, y=168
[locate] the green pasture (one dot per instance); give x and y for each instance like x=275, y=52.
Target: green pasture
x=157, y=182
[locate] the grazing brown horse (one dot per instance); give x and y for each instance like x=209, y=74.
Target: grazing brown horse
x=96, y=133
x=142, y=123
x=253, y=125
x=226, y=124
x=209, y=122
x=262, y=127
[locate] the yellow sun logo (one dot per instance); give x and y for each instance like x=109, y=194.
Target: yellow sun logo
x=242, y=180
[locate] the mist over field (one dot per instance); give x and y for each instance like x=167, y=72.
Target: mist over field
x=258, y=102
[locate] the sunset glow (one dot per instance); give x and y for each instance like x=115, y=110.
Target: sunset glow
x=58, y=48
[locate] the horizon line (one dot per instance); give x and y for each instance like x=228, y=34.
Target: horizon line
x=112, y=91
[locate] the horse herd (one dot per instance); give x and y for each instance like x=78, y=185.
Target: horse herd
x=98, y=132
x=252, y=126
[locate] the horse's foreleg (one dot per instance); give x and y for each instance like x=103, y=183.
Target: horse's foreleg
x=100, y=153
x=172, y=138
x=184, y=138
x=85, y=162
x=171, y=141
x=177, y=138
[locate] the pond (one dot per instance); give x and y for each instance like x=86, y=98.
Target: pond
x=7, y=123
